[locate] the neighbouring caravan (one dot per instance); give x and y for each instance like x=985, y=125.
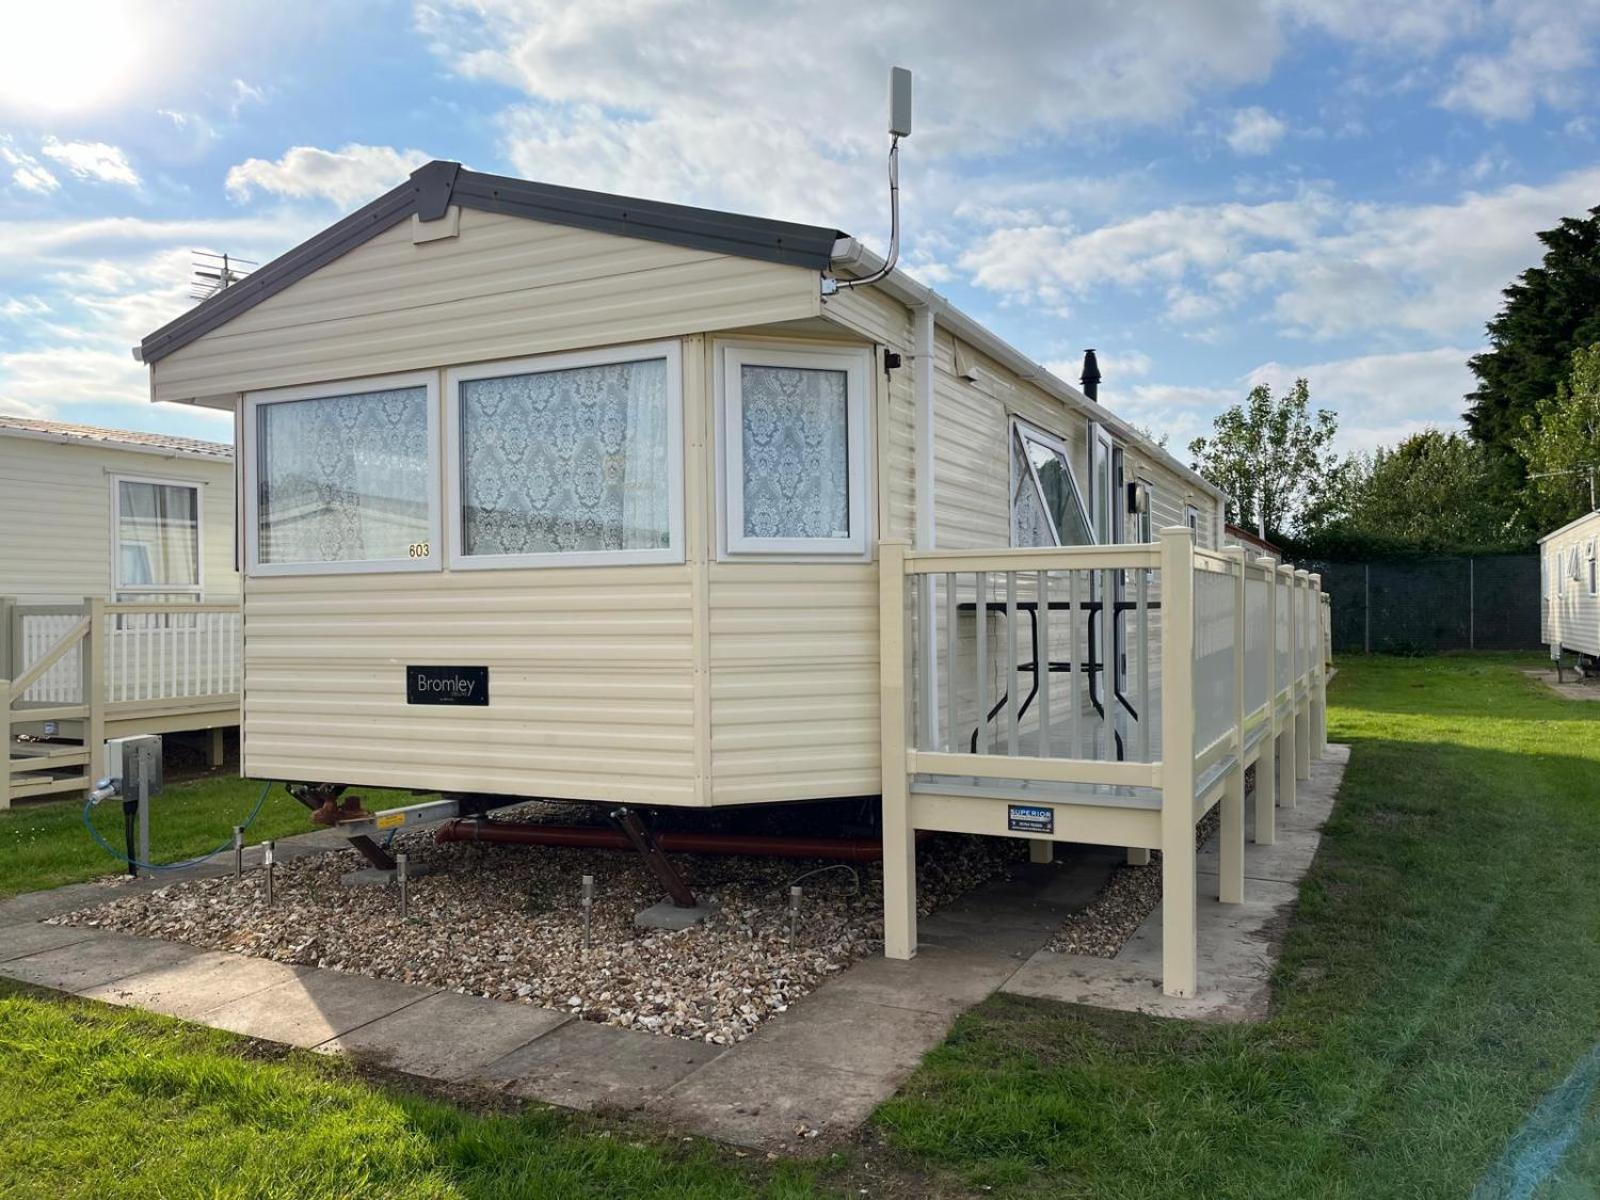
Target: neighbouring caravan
x=1570, y=591
x=134, y=531
x=554, y=493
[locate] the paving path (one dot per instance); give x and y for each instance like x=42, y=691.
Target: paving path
x=804, y=1078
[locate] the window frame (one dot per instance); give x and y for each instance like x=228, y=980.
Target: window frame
x=671, y=350
x=250, y=463
x=1191, y=518
x=1020, y=432
x=118, y=587
x=856, y=363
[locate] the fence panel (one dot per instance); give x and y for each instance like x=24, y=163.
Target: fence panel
x=1423, y=606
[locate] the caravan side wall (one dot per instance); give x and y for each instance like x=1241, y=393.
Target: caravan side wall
x=55, y=533
x=1570, y=604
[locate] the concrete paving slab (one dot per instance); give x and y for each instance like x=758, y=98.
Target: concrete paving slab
x=100, y=959
x=18, y=941
x=1238, y=943
x=193, y=988
x=842, y=1031
x=938, y=980
x=311, y=1008
x=446, y=1035
x=586, y=1066
x=769, y=1105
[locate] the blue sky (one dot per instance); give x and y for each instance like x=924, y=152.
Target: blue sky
x=1211, y=193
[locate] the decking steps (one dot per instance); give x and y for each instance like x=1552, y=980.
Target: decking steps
x=43, y=768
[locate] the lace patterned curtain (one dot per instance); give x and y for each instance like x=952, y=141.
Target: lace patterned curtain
x=344, y=478
x=796, y=457
x=564, y=461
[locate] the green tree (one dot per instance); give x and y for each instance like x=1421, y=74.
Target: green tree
x=1275, y=458
x=1548, y=313
x=1560, y=444
x=1429, y=494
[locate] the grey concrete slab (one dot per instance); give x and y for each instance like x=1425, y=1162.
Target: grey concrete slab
x=842, y=1031
x=586, y=1066
x=95, y=960
x=938, y=980
x=313, y=1007
x=446, y=1035
x=17, y=941
x=1238, y=943
x=768, y=1104
x=195, y=987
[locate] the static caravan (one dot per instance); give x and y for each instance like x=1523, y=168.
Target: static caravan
x=1569, y=603
x=135, y=532
x=553, y=493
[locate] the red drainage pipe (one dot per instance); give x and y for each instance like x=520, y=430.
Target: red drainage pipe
x=598, y=837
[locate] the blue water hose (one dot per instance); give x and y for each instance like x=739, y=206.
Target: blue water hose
x=177, y=866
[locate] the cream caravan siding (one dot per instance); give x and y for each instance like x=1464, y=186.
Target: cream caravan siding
x=505, y=287
x=794, y=681
x=1570, y=612
x=55, y=535
x=590, y=679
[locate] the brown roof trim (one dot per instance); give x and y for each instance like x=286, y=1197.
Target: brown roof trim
x=434, y=186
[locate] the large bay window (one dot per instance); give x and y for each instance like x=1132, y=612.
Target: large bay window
x=158, y=543
x=1046, y=506
x=568, y=459
x=344, y=477
x=794, y=459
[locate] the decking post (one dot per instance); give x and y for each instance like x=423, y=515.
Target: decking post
x=1319, y=674
x=1179, y=928
x=1285, y=752
x=94, y=687
x=1302, y=709
x=218, y=746
x=1266, y=832
x=899, y=838
x=1230, y=858
x=5, y=741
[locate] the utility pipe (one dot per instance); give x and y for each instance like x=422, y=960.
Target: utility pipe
x=595, y=837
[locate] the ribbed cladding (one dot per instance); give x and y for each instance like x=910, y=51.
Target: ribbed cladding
x=55, y=517
x=590, y=682
x=503, y=288
x=794, y=684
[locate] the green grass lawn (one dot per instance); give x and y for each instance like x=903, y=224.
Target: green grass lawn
x=44, y=844
x=1440, y=981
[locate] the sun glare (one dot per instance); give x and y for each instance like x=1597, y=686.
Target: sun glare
x=69, y=56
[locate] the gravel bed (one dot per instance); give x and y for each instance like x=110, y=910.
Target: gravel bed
x=505, y=922
x=1131, y=894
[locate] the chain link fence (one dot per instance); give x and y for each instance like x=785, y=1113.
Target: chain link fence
x=1422, y=606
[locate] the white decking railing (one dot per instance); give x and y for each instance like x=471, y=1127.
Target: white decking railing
x=132, y=666
x=1098, y=694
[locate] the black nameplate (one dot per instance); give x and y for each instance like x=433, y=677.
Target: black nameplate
x=447, y=685
x=1030, y=818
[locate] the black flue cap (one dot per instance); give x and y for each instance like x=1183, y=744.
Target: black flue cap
x=1091, y=375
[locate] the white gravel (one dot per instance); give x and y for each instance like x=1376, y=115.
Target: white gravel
x=1131, y=894
x=505, y=922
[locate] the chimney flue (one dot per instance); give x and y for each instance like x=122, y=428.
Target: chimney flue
x=1091, y=375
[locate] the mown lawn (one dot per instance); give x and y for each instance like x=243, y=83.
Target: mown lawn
x=44, y=845
x=1441, y=980
x=1442, y=976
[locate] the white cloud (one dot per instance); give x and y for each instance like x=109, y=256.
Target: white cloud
x=241, y=94
x=1324, y=266
x=92, y=160
x=1542, y=51
x=1381, y=398
x=1254, y=131
x=348, y=176
x=27, y=172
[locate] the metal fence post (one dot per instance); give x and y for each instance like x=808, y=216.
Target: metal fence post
x=1472, y=604
x=1366, y=608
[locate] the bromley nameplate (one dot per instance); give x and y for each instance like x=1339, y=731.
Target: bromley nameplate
x=447, y=685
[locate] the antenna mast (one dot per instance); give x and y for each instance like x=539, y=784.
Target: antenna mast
x=899, y=127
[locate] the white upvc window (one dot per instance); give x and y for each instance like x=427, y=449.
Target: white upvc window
x=1147, y=517
x=1047, y=506
x=157, y=542
x=343, y=477
x=793, y=463
x=1191, y=518
x=567, y=460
